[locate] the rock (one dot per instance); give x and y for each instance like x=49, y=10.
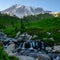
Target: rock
x=40, y=58
x=34, y=36
x=10, y=54
x=20, y=38
x=48, y=49
x=43, y=57
x=57, y=58
x=22, y=35
x=28, y=37
x=10, y=48
x=48, y=33
x=57, y=48
x=3, y=36
x=25, y=36
x=51, y=38
x=25, y=58
x=18, y=34
x=58, y=30
x=10, y=39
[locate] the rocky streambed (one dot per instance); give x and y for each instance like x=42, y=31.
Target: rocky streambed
x=25, y=48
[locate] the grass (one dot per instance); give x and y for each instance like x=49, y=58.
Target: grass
x=40, y=28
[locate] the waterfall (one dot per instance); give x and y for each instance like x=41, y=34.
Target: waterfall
x=42, y=45
x=23, y=46
x=36, y=43
x=31, y=46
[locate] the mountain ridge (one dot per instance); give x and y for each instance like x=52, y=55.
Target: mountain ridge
x=22, y=10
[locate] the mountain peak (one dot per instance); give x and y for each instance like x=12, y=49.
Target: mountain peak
x=22, y=10
x=18, y=5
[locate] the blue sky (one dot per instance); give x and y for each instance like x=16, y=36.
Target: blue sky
x=50, y=5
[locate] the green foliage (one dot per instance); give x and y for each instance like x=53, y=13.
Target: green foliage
x=3, y=55
x=13, y=58
x=40, y=28
x=46, y=24
x=9, y=24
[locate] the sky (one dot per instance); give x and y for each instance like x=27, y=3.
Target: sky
x=50, y=5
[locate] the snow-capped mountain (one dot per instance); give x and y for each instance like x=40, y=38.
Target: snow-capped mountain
x=21, y=10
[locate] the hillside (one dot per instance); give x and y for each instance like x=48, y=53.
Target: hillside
x=41, y=27
x=39, y=24
x=9, y=24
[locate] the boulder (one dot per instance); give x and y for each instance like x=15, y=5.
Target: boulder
x=18, y=34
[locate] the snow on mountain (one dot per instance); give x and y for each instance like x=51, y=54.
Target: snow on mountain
x=21, y=11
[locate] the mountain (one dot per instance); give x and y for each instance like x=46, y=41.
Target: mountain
x=21, y=10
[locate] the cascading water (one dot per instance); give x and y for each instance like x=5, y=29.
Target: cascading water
x=33, y=43
x=42, y=45
x=23, y=46
x=36, y=43
x=31, y=46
